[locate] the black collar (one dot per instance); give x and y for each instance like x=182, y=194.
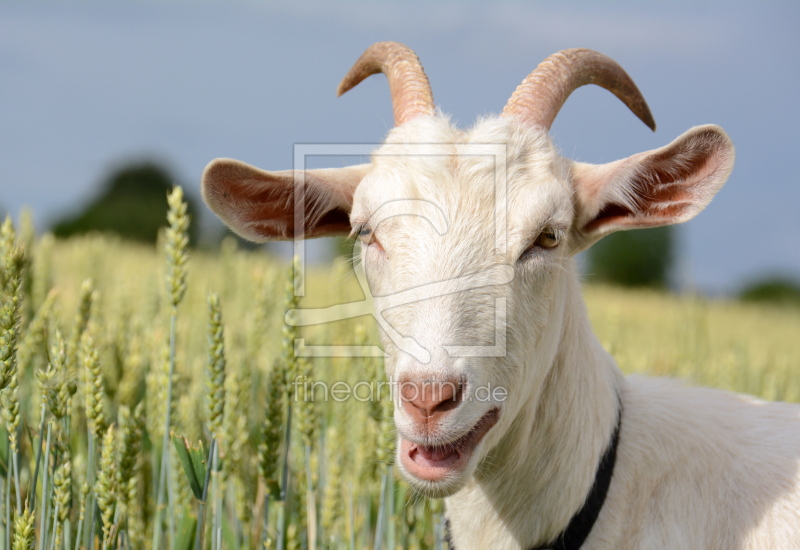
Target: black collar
x=581, y=524
x=579, y=527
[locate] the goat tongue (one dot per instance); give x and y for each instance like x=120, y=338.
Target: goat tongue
x=436, y=456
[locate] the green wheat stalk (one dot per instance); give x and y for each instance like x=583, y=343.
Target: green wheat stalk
x=333, y=501
x=131, y=427
x=384, y=454
x=62, y=481
x=177, y=242
x=307, y=425
x=215, y=402
x=23, y=531
x=270, y=441
x=82, y=317
x=106, y=487
x=289, y=368
x=13, y=264
x=8, y=239
x=95, y=419
x=44, y=380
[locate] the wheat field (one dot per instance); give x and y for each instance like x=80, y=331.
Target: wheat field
x=146, y=394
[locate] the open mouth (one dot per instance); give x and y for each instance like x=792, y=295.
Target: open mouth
x=435, y=462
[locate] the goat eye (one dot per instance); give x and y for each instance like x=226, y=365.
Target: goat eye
x=367, y=237
x=364, y=234
x=547, y=239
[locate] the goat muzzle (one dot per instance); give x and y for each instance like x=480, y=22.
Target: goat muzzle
x=428, y=401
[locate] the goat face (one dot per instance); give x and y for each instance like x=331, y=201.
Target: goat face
x=447, y=271
x=467, y=242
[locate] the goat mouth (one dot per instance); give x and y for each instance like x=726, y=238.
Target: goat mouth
x=435, y=462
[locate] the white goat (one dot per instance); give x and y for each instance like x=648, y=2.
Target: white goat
x=688, y=468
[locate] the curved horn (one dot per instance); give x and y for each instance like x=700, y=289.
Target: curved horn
x=542, y=94
x=410, y=89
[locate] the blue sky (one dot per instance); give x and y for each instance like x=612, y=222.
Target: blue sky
x=89, y=85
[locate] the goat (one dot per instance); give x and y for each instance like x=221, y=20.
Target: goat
x=571, y=454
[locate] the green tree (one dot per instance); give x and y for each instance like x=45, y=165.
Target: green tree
x=132, y=203
x=772, y=289
x=637, y=258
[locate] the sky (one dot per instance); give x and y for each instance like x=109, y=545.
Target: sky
x=88, y=86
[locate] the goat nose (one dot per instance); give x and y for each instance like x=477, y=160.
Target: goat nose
x=427, y=401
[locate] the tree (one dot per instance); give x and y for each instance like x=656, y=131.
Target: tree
x=637, y=258
x=132, y=203
x=774, y=289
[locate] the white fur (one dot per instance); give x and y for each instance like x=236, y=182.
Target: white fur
x=696, y=468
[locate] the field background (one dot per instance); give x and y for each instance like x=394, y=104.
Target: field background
x=98, y=89
x=340, y=447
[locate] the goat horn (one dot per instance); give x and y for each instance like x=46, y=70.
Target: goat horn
x=410, y=89
x=542, y=94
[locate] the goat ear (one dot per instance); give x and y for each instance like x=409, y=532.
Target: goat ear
x=660, y=187
x=260, y=206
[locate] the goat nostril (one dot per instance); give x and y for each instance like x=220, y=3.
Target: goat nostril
x=451, y=401
x=428, y=399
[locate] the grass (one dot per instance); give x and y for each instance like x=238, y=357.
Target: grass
x=99, y=375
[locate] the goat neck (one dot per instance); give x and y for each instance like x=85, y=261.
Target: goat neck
x=533, y=482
